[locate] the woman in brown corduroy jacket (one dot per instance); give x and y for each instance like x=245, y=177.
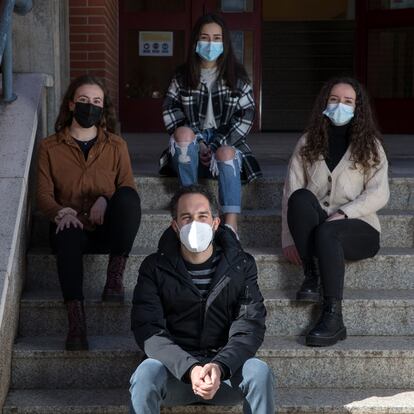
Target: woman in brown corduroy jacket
x=86, y=188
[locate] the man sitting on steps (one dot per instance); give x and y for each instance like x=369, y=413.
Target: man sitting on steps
x=199, y=316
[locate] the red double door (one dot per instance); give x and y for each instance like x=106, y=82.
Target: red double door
x=385, y=60
x=154, y=37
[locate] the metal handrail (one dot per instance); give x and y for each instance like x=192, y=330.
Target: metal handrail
x=20, y=7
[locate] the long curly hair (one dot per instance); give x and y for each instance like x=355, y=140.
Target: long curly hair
x=364, y=133
x=228, y=67
x=64, y=119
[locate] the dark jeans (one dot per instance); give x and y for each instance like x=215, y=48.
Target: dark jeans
x=330, y=241
x=115, y=236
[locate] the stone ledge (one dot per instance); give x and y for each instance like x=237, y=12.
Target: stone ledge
x=275, y=346
x=358, y=362
x=366, y=312
x=288, y=401
x=391, y=268
x=19, y=125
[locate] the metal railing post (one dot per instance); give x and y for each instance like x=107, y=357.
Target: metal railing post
x=6, y=13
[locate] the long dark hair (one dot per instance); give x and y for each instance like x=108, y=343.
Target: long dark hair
x=228, y=67
x=64, y=119
x=364, y=133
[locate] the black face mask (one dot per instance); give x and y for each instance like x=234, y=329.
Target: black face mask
x=87, y=114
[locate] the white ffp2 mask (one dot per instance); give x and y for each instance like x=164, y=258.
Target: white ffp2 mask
x=196, y=236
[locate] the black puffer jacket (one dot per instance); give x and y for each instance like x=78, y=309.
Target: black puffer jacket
x=175, y=325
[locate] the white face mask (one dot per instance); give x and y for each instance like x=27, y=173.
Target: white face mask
x=196, y=236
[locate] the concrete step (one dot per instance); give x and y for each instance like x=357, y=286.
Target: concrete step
x=366, y=312
x=392, y=268
x=257, y=228
x=288, y=401
x=264, y=193
x=358, y=362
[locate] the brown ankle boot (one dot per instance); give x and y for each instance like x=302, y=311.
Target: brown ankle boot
x=76, y=339
x=114, y=289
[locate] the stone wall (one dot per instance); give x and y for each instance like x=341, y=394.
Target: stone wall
x=41, y=44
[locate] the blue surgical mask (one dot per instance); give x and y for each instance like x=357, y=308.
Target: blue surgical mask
x=209, y=50
x=339, y=113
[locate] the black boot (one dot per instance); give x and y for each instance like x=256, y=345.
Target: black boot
x=76, y=339
x=330, y=328
x=114, y=288
x=310, y=290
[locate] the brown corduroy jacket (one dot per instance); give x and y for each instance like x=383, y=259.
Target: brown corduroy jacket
x=66, y=179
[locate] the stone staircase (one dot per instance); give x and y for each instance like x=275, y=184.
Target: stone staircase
x=371, y=372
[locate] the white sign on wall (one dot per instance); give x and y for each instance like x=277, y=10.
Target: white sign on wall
x=155, y=43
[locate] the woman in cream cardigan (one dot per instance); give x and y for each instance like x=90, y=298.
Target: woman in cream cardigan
x=337, y=180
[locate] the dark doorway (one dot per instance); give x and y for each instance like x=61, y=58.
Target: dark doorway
x=386, y=60
x=147, y=26
x=304, y=44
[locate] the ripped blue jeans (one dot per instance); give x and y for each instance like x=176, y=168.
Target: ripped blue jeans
x=185, y=161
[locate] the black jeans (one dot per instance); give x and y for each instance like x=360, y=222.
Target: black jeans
x=330, y=241
x=116, y=236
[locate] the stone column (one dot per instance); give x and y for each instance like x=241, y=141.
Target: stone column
x=41, y=44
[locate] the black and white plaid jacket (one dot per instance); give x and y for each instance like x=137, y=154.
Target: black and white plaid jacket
x=233, y=111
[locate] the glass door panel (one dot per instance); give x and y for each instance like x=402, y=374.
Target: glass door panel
x=391, y=63
x=149, y=76
x=242, y=42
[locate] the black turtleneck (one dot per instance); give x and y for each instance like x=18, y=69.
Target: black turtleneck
x=337, y=144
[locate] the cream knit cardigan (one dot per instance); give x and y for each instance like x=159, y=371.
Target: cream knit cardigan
x=346, y=188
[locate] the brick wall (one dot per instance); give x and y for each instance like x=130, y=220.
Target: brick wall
x=94, y=41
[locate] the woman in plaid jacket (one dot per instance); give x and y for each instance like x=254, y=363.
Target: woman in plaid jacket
x=208, y=112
